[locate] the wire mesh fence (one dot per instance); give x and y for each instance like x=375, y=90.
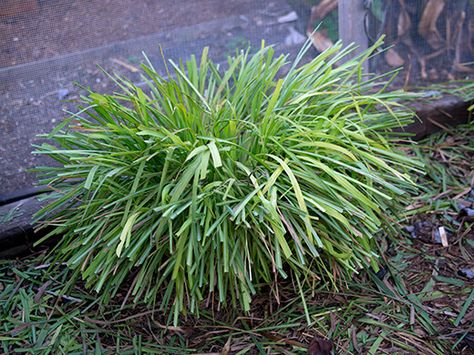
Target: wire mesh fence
x=49, y=46
x=433, y=40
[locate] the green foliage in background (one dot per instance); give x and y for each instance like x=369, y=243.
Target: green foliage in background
x=210, y=182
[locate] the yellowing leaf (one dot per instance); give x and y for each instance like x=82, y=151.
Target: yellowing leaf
x=126, y=233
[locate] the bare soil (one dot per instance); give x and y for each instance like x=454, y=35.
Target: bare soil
x=65, y=42
x=58, y=27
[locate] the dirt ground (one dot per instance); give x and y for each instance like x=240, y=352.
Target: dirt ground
x=34, y=95
x=65, y=26
x=420, y=302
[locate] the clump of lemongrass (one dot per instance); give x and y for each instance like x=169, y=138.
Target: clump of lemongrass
x=211, y=182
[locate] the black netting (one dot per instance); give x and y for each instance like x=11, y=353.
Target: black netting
x=46, y=46
x=433, y=40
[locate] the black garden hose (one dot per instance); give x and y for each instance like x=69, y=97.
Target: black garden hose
x=18, y=195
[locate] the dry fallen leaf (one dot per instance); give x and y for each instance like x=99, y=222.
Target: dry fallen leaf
x=320, y=11
x=393, y=58
x=227, y=348
x=404, y=22
x=427, y=26
x=126, y=65
x=320, y=40
x=320, y=346
x=290, y=17
x=463, y=68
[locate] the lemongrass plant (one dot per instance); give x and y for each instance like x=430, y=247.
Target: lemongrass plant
x=211, y=182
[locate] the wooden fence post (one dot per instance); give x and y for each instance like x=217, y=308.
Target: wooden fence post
x=351, y=14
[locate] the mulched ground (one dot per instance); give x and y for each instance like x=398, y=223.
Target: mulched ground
x=421, y=301
x=33, y=97
x=64, y=26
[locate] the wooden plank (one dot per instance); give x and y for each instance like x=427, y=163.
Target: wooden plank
x=351, y=14
x=8, y=198
x=435, y=115
x=16, y=229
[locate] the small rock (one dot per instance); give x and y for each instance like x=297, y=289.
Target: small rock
x=244, y=18
x=467, y=273
x=320, y=346
x=471, y=195
x=466, y=213
x=290, y=17
x=469, y=340
x=410, y=230
x=294, y=37
x=381, y=273
x=420, y=229
x=62, y=94
x=431, y=93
